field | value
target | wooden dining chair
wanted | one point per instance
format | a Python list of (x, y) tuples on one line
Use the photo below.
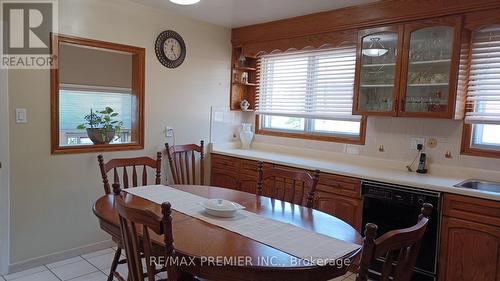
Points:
[(182, 161), (287, 185), (399, 248), (135, 226), (124, 164)]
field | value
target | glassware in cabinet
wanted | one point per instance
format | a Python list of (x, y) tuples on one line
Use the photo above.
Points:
[(378, 70)]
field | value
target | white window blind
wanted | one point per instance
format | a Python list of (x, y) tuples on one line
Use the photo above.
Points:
[(315, 84), (483, 92)]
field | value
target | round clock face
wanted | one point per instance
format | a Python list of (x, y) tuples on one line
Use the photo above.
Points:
[(170, 49)]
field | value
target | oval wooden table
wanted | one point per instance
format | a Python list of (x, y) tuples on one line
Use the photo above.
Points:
[(194, 238)]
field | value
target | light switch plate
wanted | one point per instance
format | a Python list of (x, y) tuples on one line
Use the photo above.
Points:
[(21, 116)]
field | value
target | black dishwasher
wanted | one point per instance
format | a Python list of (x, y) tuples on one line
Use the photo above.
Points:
[(393, 207)]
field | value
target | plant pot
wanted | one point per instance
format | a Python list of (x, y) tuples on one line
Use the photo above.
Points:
[(100, 135)]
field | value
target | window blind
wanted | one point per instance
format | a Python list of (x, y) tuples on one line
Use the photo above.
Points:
[(314, 84), (483, 92)]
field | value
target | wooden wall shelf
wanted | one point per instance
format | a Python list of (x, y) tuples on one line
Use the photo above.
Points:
[(244, 68), (243, 91), (245, 84)]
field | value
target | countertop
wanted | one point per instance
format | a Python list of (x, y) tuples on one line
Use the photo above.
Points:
[(439, 178)]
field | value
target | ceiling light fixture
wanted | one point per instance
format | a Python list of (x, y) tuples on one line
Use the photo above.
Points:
[(376, 48), (185, 2)]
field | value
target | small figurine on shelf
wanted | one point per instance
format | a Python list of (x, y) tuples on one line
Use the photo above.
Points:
[(244, 104), (244, 77), (242, 60)]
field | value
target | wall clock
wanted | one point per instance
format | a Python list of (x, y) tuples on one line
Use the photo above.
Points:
[(170, 49)]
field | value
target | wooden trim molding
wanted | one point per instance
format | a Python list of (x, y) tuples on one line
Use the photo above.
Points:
[(474, 22), (138, 80), (467, 149), (316, 41), (362, 16), (360, 140)]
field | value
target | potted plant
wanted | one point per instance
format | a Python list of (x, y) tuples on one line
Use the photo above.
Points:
[(102, 127)]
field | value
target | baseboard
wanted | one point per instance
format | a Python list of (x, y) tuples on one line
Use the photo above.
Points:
[(59, 256)]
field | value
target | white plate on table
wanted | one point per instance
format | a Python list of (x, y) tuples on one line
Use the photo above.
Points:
[(221, 208)]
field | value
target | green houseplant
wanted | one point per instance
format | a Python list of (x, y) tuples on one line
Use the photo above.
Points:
[(102, 127)]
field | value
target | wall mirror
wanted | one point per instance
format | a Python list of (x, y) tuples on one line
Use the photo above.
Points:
[(97, 96)]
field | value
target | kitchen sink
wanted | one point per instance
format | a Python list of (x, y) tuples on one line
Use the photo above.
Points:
[(480, 185)]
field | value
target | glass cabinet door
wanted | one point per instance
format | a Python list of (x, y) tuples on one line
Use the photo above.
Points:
[(429, 68), (378, 72)]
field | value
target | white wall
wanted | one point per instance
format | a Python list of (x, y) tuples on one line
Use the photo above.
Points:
[(52, 195), (4, 173)]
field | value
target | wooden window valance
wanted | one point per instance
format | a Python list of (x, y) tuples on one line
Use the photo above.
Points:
[(333, 40)]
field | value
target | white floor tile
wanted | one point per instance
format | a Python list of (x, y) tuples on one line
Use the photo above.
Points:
[(40, 276), (98, 253), (102, 261), (25, 273), (64, 262), (74, 270), (122, 269), (96, 276)]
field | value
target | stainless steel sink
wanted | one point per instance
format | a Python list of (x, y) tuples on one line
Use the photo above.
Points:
[(480, 185)]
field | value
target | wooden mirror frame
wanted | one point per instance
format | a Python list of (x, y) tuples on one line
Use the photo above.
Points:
[(138, 79)]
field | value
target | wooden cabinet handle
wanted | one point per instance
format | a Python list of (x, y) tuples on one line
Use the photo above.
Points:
[(396, 105), (402, 105)]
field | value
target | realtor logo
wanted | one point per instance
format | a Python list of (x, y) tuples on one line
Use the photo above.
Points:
[(26, 30)]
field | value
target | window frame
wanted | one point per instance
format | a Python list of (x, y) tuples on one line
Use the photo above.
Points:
[(466, 146), (138, 80), (359, 139), (310, 135)]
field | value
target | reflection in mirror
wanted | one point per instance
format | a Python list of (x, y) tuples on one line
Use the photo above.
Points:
[(98, 95)]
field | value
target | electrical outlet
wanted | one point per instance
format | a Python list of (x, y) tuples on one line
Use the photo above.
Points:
[(169, 132), (414, 141)]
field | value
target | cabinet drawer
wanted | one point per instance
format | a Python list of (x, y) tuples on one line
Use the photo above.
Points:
[(225, 162), (474, 209), (340, 185), (249, 167)]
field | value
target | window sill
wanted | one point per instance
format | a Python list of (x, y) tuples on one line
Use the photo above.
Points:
[(480, 152), (360, 140), (96, 148)]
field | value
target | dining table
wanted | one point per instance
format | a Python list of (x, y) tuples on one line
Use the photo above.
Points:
[(196, 239)]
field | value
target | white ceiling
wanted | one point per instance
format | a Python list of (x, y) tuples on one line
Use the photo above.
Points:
[(236, 13)]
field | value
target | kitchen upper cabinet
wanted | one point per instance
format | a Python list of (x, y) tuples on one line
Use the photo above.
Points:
[(431, 57), (470, 239), (409, 70), (378, 70)]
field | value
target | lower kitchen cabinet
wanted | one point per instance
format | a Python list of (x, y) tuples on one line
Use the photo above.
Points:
[(345, 208), (470, 239), (336, 195), (222, 178)]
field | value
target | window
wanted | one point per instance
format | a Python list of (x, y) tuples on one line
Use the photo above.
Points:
[(97, 96), (309, 95), (74, 103), (482, 120)]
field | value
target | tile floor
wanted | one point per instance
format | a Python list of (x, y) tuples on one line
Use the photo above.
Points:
[(90, 267)]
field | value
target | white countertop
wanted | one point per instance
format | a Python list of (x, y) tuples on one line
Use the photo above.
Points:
[(439, 178)]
